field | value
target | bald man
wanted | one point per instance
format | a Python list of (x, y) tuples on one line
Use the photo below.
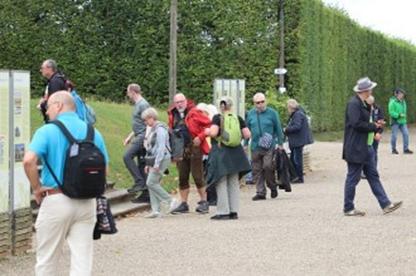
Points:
[(60, 217)]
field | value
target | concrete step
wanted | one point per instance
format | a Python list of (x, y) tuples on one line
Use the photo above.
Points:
[(120, 202)]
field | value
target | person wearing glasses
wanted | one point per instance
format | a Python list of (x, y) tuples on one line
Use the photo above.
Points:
[(191, 160), (266, 133)]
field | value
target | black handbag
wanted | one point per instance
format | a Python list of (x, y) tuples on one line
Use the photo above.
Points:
[(149, 160)]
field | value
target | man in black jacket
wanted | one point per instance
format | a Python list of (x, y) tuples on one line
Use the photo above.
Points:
[(56, 82), (358, 150)]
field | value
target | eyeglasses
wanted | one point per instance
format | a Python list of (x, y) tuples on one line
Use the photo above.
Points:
[(259, 102), (179, 102)]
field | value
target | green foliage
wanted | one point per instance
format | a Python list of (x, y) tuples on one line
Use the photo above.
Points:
[(104, 45)]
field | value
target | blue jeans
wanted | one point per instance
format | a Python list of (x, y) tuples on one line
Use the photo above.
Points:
[(353, 177), (296, 156), (405, 133)]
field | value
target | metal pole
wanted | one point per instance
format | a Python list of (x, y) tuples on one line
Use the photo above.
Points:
[(282, 44), (172, 49)]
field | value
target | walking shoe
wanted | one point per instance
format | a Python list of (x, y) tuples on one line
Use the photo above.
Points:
[(392, 207), (135, 189), (394, 151), (259, 197), (203, 207), (182, 208), (408, 151), (173, 205), (220, 217), (273, 193), (297, 181), (142, 198), (354, 213), (233, 215), (153, 215)]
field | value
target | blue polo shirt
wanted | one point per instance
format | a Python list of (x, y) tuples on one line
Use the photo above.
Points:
[(50, 143)]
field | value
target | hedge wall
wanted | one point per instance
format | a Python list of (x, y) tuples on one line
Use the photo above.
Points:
[(104, 45)]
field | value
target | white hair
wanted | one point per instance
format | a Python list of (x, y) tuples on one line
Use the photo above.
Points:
[(150, 112), (292, 104)]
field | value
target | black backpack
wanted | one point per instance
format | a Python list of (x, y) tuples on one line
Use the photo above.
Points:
[(85, 167)]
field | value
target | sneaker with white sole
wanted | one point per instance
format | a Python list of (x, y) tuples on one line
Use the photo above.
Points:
[(354, 213), (153, 215), (392, 207), (173, 205)]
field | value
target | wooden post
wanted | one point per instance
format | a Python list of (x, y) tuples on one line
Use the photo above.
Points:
[(173, 44)]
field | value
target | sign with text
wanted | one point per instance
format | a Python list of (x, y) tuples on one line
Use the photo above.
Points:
[(21, 136), (4, 141)]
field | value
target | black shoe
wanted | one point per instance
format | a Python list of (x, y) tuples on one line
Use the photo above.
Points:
[(182, 208), (135, 189), (258, 197), (273, 193), (203, 207), (233, 215), (212, 203), (142, 198), (221, 217), (298, 181), (394, 151), (408, 151)]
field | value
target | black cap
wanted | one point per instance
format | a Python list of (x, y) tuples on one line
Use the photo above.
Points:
[(399, 90)]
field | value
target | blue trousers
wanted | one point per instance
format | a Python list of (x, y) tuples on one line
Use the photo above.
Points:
[(353, 177), (296, 156), (405, 133)]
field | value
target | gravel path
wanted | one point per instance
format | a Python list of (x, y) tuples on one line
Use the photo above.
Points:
[(299, 233)]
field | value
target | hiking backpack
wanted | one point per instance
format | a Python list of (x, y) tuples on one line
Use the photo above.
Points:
[(230, 130), (85, 166)]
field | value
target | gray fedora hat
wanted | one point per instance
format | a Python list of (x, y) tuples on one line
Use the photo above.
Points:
[(364, 84)]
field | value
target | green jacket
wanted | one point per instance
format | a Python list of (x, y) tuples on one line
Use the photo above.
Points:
[(397, 111)]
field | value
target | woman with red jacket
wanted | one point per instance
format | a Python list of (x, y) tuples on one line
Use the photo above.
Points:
[(197, 120)]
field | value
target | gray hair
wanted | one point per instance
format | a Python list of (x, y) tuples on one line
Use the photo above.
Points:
[(51, 64), (292, 104), (135, 88), (259, 96), (150, 112)]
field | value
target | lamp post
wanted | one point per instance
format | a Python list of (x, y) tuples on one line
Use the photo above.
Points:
[(281, 71)]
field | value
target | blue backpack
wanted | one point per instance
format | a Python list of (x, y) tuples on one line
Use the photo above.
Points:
[(84, 111)]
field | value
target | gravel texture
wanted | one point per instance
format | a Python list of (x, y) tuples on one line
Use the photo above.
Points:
[(299, 233)]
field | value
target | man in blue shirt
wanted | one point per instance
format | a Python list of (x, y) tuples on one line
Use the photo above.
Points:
[(60, 217), (266, 132)]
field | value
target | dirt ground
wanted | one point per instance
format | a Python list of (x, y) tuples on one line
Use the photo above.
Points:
[(299, 233)]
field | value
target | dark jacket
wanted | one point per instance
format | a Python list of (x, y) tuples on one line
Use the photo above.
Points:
[(285, 170), (357, 127), (297, 130), (56, 83), (378, 114)]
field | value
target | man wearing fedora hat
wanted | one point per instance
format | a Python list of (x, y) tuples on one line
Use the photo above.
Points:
[(358, 151), (397, 112)]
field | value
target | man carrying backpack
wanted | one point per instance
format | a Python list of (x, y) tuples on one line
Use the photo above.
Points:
[(66, 193), (191, 161), (266, 131)]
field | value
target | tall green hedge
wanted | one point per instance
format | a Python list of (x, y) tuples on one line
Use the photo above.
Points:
[(104, 45)]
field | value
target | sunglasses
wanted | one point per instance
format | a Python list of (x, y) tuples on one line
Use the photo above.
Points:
[(259, 102)]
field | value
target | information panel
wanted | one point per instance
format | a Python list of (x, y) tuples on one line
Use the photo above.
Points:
[(21, 133), (4, 141)]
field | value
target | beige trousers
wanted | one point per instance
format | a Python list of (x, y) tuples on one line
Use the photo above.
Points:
[(61, 218)]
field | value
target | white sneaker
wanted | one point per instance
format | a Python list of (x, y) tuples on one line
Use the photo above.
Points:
[(153, 215), (173, 205)]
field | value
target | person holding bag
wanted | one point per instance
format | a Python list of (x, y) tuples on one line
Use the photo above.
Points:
[(266, 131), (157, 160)]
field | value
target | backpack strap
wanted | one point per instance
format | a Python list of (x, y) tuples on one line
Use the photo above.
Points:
[(64, 130), (90, 133), (52, 173)]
